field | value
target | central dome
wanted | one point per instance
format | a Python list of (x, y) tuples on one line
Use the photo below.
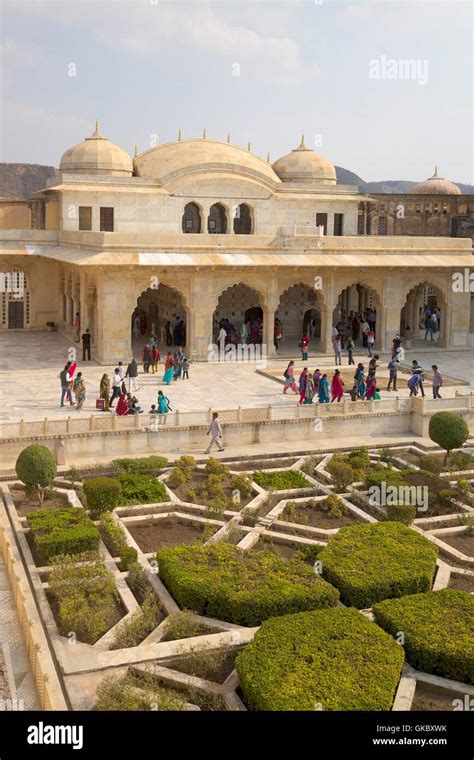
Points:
[(167, 161), (303, 165)]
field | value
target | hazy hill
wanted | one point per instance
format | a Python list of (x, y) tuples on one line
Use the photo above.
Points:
[(21, 180)]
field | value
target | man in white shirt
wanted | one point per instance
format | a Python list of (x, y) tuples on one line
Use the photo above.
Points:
[(215, 429), (222, 337), (365, 328), (116, 387)]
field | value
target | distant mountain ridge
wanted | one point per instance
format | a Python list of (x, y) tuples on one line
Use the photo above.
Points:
[(21, 180)]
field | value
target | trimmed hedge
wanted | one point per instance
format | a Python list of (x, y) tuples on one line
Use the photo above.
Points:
[(448, 430), (141, 489), (281, 481), (332, 659), (224, 582), (102, 494), (153, 465), (36, 466), (376, 561), (62, 531), (438, 628)]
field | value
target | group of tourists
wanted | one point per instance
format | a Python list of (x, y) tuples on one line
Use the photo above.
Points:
[(251, 332), (72, 385), (313, 385), (430, 320)]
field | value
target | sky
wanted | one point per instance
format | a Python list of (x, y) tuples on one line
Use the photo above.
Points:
[(380, 87)]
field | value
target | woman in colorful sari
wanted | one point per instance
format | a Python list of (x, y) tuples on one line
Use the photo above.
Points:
[(337, 387), (122, 406), (169, 369), (79, 390), (371, 387), (310, 389), (104, 391), (163, 407), (323, 391), (289, 375), (243, 333)]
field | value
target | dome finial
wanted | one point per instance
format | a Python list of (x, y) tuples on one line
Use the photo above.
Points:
[(204, 133), (268, 158), (179, 135), (136, 151), (228, 138), (436, 171), (249, 147), (96, 134), (302, 145)]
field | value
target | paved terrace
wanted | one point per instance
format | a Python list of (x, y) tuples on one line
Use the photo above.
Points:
[(31, 361)]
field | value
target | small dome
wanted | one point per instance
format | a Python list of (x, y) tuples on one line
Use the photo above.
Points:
[(435, 185), (304, 165), (96, 155)]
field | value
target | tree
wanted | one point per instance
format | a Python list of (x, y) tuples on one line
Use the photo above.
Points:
[(36, 468), (449, 431)]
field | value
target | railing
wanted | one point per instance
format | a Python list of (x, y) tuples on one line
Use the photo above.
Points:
[(106, 423)]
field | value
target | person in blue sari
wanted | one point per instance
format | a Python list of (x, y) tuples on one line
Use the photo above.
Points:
[(323, 391), (163, 406)]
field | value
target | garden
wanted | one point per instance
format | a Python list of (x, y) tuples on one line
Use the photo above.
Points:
[(276, 586)]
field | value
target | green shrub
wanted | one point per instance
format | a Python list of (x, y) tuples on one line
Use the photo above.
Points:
[(468, 523), (113, 535), (448, 430), (36, 468), (308, 553), (142, 489), (183, 625), (222, 581), (438, 630), (176, 478), (187, 465), (332, 659), (359, 460), (214, 467), (341, 472), (86, 596), (131, 632), (62, 531), (102, 495), (153, 465), (119, 694), (432, 463), (137, 580), (281, 481), (403, 513), (242, 484), (333, 506), (381, 475), (461, 460), (376, 561)]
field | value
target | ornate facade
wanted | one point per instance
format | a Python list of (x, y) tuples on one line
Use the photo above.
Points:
[(202, 230)]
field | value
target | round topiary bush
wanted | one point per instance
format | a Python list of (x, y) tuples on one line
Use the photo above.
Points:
[(376, 561), (448, 430), (438, 629), (36, 468), (102, 495), (224, 582), (333, 659)]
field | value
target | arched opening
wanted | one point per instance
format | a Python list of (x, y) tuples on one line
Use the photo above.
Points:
[(191, 222), (240, 314), (417, 323), (217, 220), (298, 313), (160, 312), (243, 220), (358, 304)]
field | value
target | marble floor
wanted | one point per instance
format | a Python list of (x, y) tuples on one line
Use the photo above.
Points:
[(30, 363)]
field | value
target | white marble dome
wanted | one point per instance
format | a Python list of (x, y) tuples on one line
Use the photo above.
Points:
[(435, 185), (97, 155), (303, 165)]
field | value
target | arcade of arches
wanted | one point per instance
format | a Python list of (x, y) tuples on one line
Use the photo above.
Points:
[(202, 297)]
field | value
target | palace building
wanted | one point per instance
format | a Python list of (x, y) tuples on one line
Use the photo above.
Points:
[(203, 230)]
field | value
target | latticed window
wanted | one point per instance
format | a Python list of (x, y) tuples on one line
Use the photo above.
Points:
[(217, 222), (243, 220), (106, 219), (322, 221), (382, 225), (191, 221)]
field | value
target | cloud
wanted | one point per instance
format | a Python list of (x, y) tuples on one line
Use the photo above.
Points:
[(147, 28)]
